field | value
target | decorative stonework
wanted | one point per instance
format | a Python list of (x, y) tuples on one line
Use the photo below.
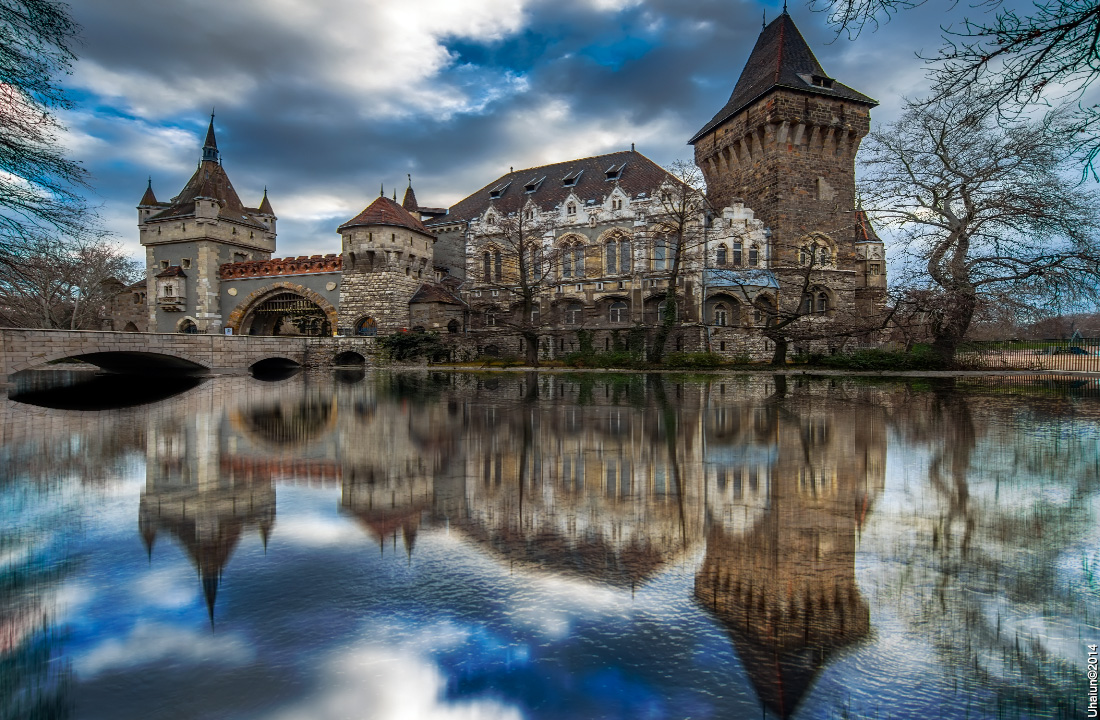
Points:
[(300, 265), (256, 297)]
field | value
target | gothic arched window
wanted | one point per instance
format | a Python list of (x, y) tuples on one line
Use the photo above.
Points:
[(720, 259), (612, 257), (618, 312), (721, 314)]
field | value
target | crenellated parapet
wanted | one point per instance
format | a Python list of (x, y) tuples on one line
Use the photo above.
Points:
[(300, 265)]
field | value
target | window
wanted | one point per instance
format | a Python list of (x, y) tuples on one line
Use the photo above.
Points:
[(805, 255), (721, 255), (806, 307), (486, 266), (534, 316), (567, 263), (574, 314), (737, 253), (616, 203), (721, 314), (533, 185), (618, 312), (612, 257), (529, 215), (571, 208), (754, 256), (490, 318), (185, 263), (452, 326), (163, 264), (875, 268), (189, 327), (614, 172), (169, 290), (625, 264), (367, 327), (825, 257), (497, 265), (661, 309), (659, 254), (571, 178), (578, 259), (822, 302)]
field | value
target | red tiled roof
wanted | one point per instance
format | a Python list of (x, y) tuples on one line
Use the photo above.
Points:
[(865, 232), (172, 271), (780, 58), (384, 211)]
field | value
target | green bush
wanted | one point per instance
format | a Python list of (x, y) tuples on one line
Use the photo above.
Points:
[(698, 360), (412, 345), (919, 358)]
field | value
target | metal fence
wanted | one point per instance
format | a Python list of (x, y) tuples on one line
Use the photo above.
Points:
[(1082, 354)]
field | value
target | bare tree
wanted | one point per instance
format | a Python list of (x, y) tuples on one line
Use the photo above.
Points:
[(56, 284), (38, 186), (1012, 60), (515, 259), (982, 209), (679, 235)]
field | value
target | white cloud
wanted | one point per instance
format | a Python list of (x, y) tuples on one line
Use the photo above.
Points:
[(150, 642)]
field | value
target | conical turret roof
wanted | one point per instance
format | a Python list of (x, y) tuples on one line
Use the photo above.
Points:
[(384, 211), (265, 205), (148, 198), (780, 59), (409, 201)]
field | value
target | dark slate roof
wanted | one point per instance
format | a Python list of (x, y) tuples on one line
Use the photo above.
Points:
[(780, 59), (865, 231), (384, 211), (431, 293), (172, 271), (639, 174), (148, 198), (210, 181)]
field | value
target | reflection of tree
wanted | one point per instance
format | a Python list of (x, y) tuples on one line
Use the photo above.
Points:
[(982, 575), (785, 585)]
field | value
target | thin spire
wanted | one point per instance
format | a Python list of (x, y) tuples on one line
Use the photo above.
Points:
[(410, 179), (210, 147), (381, 190), (764, 19), (395, 194)]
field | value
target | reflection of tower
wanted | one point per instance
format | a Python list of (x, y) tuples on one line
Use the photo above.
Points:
[(188, 496), (786, 588)]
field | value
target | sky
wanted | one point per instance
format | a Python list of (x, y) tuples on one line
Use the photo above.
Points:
[(321, 102)]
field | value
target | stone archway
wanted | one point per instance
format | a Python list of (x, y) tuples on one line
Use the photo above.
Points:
[(283, 308)]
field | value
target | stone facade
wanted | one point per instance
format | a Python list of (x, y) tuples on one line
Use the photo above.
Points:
[(780, 233)]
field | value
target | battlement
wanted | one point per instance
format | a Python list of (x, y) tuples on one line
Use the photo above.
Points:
[(300, 265)]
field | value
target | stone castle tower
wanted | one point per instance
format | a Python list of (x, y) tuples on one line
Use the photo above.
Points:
[(387, 255), (188, 238), (785, 144)]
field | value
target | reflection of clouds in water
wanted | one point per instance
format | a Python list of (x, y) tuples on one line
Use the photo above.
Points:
[(393, 678), (154, 642), (166, 588), (315, 530)]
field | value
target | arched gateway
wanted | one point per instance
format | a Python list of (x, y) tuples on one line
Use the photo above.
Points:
[(284, 311)]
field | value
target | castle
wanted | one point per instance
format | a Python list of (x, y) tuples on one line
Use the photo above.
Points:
[(546, 251)]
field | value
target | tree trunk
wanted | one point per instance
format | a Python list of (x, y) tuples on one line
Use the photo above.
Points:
[(668, 320), (779, 357), (531, 347), (957, 314)]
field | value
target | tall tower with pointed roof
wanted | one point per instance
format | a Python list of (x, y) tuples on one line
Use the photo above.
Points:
[(785, 144), (189, 237)]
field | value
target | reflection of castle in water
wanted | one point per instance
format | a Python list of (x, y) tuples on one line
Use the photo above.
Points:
[(785, 586), (609, 480)]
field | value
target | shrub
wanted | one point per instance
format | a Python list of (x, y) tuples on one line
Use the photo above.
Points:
[(412, 345), (698, 360), (919, 358)]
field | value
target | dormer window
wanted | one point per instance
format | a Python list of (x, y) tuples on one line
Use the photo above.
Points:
[(614, 172), (821, 81), (616, 203), (571, 208), (497, 191), (533, 184), (571, 179)]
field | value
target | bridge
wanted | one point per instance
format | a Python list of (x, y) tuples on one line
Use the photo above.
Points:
[(151, 353)]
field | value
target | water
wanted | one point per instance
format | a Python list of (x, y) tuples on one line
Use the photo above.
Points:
[(448, 546)]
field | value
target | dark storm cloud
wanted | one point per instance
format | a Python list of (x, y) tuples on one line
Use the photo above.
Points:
[(321, 108)]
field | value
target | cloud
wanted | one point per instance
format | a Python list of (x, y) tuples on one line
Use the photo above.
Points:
[(150, 642)]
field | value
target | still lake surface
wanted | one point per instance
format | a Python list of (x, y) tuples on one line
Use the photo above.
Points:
[(452, 545)]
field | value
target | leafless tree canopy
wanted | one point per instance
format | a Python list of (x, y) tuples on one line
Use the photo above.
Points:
[(1011, 60), (62, 284), (982, 208), (38, 185)]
